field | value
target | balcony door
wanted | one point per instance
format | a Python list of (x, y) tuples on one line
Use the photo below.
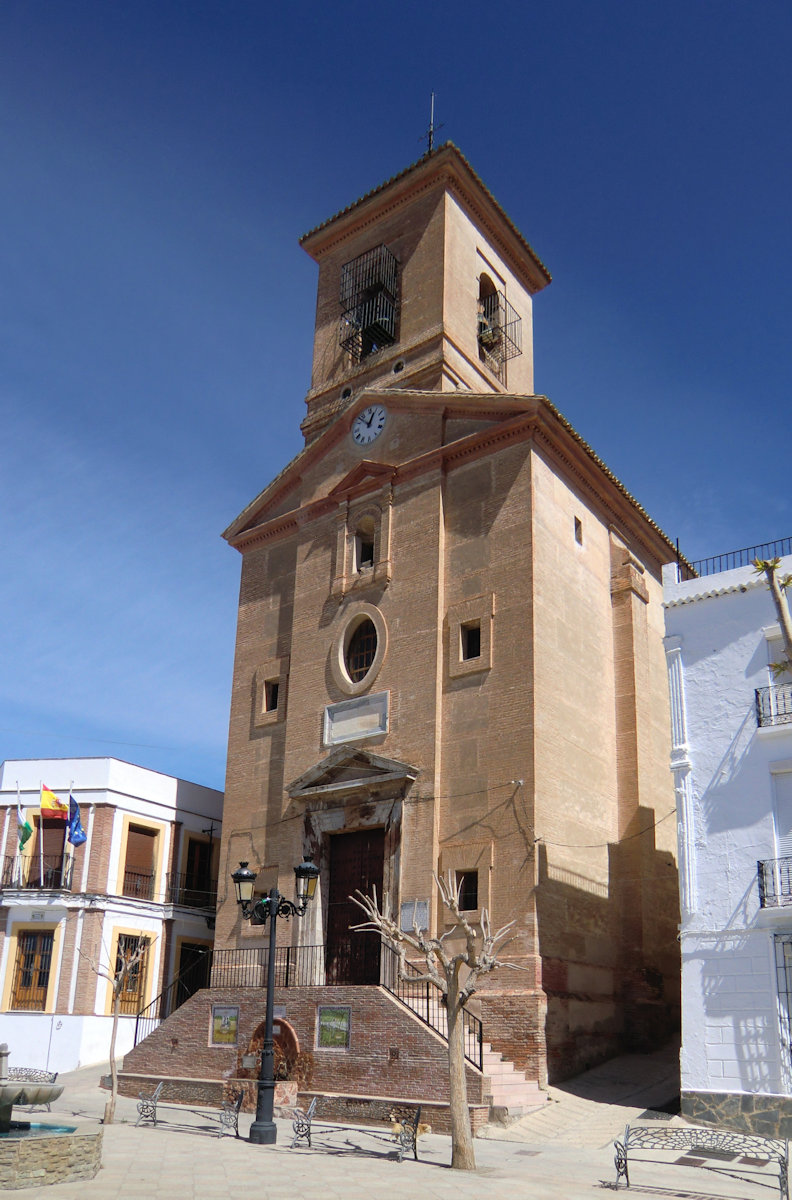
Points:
[(356, 864), (46, 862), (782, 866), (197, 876), (139, 865)]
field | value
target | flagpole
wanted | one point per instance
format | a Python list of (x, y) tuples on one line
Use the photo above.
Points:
[(18, 871), (65, 835), (41, 836)]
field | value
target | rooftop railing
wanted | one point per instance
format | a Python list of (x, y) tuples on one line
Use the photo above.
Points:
[(742, 558)]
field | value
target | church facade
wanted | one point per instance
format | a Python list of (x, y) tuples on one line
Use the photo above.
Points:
[(449, 649)]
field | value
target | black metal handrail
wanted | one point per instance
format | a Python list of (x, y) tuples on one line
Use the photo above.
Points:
[(426, 1002), (742, 558), (53, 872), (178, 990), (774, 705), (295, 966), (774, 877), (185, 889)]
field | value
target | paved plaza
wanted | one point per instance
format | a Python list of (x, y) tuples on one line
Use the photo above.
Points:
[(563, 1151)]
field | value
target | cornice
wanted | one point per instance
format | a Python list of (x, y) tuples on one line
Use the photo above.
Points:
[(448, 168), (522, 419)]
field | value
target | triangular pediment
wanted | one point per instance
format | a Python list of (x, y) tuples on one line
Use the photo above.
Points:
[(346, 771), (302, 488), (365, 472)]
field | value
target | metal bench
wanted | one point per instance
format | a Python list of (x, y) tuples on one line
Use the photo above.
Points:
[(147, 1105), (301, 1123), (227, 1117), (33, 1075), (229, 1114), (404, 1128), (742, 1155)]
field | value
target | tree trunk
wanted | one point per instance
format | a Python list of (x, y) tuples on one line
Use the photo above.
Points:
[(463, 1157), (110, 1107), (781, 607)]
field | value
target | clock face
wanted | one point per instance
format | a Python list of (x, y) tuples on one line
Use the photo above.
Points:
[(369, 424)]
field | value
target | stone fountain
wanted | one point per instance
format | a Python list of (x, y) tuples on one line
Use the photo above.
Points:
[(20, 1091), (32, 1154)]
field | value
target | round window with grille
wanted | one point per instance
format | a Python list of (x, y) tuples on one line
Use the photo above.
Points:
[(361, 650)]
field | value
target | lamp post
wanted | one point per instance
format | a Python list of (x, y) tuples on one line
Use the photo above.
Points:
[(263, 1131)]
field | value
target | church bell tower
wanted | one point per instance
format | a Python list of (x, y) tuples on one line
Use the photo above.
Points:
[(424, 283)]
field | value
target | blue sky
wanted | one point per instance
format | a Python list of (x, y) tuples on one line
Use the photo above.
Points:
[(159, 162)]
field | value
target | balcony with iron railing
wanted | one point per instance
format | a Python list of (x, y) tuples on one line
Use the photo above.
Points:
[(774, 705), (191, 891), (52, 872), (138, 885), (774, 877)]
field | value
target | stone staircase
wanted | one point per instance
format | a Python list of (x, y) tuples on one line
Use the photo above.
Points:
[(508, 1088)]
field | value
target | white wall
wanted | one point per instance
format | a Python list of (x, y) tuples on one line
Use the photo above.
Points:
[(719, 627), (56, 1042)]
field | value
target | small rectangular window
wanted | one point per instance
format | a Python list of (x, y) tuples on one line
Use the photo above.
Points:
[(471, 640), (467, 889), (271, 687), (365, 553), (578, 531)]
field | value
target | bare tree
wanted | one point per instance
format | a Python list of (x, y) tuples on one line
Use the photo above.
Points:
[(130, 961), (455, 972), (778, 585)]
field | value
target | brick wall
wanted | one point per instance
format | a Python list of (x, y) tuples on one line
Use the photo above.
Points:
[(391, 1054)]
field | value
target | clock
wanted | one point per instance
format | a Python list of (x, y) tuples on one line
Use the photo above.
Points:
[(369, 424)]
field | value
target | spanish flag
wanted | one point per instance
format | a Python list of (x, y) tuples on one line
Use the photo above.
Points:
[(51, 806)]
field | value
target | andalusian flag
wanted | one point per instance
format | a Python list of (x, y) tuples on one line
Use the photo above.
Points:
[(51, 806), (24, 830)]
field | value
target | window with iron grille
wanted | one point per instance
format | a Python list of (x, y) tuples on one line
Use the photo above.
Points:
[(133, 967), (369, 302), (32, 970), (499, 328)]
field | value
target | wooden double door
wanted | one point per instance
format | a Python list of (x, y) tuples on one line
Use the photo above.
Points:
[(356, 864)]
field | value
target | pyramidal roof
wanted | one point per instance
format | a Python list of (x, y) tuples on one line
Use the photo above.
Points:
[(447, 160)]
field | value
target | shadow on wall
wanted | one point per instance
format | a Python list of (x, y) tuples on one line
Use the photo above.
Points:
[(610, 954), (740, 995), (717, 815)]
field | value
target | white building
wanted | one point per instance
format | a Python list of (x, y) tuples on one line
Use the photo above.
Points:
[(145, 875), (732, 764)]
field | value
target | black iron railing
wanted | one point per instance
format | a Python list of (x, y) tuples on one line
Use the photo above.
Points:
[(52, 872), (191, 892), (774, 705), (295, 966), (139, 884), (192, 978), (423, 999), (774, 876), (742, 558), (304, 966)]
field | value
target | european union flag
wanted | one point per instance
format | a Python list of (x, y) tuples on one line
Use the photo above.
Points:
[(76, 834)]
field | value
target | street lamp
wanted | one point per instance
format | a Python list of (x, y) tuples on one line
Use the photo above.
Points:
[(263, 1131)]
